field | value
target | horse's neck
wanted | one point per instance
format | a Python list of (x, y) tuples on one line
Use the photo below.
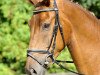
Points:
[(85, 41)]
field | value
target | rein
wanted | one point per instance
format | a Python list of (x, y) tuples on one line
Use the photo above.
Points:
[(53, 40)]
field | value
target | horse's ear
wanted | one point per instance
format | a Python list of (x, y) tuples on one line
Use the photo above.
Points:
[(32, 2), (46, 2), (40, 2), (43, 3)]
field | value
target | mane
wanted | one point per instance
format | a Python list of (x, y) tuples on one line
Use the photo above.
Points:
[(80, 7)]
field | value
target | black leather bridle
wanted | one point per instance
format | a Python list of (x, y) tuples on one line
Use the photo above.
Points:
[(52, 42), (54, 34)]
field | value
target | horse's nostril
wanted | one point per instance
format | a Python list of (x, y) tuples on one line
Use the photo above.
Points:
[(33, 71)]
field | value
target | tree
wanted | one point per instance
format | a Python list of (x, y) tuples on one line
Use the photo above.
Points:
[(91, 5), (14, 35)]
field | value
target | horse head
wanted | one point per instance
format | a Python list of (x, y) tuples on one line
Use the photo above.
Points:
[(46, 39)]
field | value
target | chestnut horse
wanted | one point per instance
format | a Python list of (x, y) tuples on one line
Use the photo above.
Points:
[(81, 31)]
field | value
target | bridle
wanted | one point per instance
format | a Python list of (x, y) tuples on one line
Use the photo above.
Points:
[(54, 34), (52, 41)]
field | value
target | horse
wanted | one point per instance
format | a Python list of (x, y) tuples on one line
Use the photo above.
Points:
[(67, 24)]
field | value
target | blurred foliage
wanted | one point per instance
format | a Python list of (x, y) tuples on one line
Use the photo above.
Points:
[(14, 35), (91, 5)]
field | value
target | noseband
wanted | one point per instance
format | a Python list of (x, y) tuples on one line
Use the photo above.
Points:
[(52, 41)]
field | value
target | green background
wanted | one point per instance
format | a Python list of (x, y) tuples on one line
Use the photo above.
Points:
[(14, 35)]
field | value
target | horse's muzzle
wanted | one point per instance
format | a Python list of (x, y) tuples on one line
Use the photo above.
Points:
[(36, 69)]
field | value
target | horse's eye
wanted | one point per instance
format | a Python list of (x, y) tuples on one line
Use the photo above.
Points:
[(46, 26)]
